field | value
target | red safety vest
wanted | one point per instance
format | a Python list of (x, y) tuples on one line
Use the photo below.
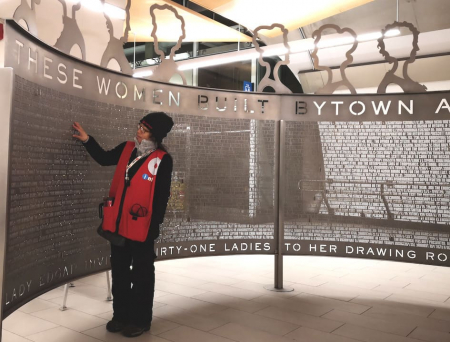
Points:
[(138, 195)]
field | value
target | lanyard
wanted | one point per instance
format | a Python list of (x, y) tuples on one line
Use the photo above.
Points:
[(129, 166)]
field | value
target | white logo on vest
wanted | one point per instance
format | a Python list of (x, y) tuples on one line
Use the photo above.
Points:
[(153, 166)]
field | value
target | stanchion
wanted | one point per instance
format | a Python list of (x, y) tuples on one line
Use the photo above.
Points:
[(108, 282), (280, 190)]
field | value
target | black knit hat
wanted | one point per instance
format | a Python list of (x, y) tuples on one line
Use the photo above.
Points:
[(159, 124)]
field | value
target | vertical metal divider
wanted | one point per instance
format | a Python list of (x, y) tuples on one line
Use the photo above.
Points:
[(279, 200), (6, 96)]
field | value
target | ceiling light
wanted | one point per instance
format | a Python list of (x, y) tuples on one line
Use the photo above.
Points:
[(326, 43), (113, 11), (275, 52), (369, 36), (143, 73), (218, 61), (392, 33), (298, 46)]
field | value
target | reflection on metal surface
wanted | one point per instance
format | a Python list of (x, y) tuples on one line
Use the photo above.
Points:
[(331, 86), (26, 13), (114, 50), (274, 82), (168, 67), (406, 83), (71, 34)]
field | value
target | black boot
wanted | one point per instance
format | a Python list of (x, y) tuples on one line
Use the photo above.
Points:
[(134, 331), (115, 326)]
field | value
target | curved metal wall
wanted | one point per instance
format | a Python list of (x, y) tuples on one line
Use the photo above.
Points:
[(356, 179)]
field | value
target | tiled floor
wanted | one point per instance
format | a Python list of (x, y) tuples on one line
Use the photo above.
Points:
[(219, 299)]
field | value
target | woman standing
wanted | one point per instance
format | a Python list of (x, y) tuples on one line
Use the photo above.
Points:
[(141, 189)]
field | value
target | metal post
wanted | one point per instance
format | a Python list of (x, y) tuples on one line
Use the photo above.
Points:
[(195, 70), (279, 195), (398, 8), (66, 293), (134, 52), (6, 95), (239, 38), (109, 296)]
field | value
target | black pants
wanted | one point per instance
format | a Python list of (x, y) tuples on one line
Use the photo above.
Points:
[(133, 289)]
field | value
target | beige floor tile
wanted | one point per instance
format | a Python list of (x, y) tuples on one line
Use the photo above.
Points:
[(326, 292), (255, 278), (433, 276), (189, 318), (430, 335), (349, 280), (413, 293), (259, 288), (186, 334), (72, 319), (240, 333), (107, 315), (84, 304), (37, 305), (160, 326), (441, 314), (297, 303), (230, 291), (313, 300), (311, 335), (178, 289), (271, 325), (231, 302), (200, 274), (431, 287), (393, 314), (310, 281), (94, 292), (180, 279), (372, 279), (159, 293), (15, 323), (191, 304), (10, 337), (167, 267), (98, 280), (401, 298), (52, 294), (379, 273), (61, 334), (386, 325), (406, 307), (101, 334), (300, 319), (346, 288), (369, 335)]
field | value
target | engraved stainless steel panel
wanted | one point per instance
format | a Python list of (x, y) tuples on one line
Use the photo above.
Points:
[(6, 94), (385, 186), (222, 191)]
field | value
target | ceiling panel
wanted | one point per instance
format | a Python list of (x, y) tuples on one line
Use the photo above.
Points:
[(198, 27), (291, 13)]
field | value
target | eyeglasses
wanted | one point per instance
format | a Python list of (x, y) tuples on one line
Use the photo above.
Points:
[(143, 129)]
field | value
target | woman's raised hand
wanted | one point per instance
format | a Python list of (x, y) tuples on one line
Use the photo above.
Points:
[(82, 135)]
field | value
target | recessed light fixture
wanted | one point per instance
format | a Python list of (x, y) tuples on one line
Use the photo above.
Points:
[(144, 73)]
